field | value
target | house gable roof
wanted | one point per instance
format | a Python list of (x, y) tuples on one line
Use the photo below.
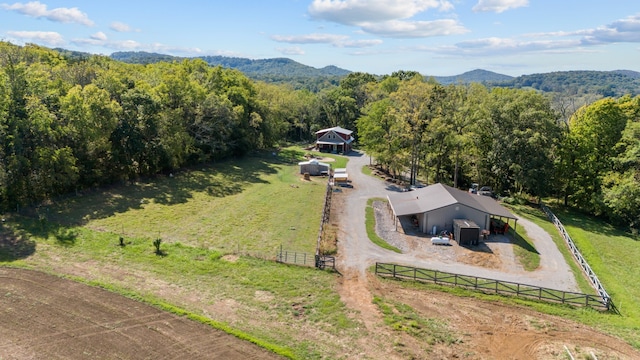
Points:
[(337, 129), (437, 196), (331, 136)]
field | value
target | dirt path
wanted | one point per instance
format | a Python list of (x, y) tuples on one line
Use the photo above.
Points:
[(483, 330)]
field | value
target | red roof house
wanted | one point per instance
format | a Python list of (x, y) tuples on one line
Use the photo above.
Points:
[(335, 140)]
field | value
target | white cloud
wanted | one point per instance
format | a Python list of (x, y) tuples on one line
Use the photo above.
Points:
[(331, 39), (415, 29), (49, 38), (38, 10), (100, 36), (132, 45), (359, 43), (624, 30), (389, 18), (499, 6), (354, 12), (120, 27), (291, 51), (310, 38)]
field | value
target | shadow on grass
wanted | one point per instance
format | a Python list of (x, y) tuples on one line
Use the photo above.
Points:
[(572, 217), (14, 246), (217, 180), (29, 227), (518, 240)]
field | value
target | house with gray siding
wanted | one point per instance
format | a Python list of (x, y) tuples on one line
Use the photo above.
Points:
[(435, 207)]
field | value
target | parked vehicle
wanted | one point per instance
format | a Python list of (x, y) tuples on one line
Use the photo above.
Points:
[(486, 191)]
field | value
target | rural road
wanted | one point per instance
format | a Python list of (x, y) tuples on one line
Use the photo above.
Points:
[(357, 253)]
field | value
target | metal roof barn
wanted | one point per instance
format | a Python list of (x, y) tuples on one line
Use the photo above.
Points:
[(437, 205)]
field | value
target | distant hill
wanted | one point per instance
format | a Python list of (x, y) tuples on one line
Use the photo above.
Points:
[(478, 75), (143, 57), (604, 83), (283, 70), (271, 67)]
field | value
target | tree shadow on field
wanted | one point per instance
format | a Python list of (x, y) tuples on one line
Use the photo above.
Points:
[(14, 246), (572, 217), (216, 179)]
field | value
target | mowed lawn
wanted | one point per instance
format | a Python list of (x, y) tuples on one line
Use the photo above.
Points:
[(613, 255), (252, 205)]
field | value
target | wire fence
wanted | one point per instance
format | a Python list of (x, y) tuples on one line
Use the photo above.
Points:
[(490, 285)]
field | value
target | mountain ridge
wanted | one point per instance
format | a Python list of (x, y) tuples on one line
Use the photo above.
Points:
[(285, 70)]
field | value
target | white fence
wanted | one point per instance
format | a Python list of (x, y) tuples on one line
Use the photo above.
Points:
[(595, 282)]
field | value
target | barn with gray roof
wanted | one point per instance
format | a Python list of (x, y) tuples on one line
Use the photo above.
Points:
[(436, 206)]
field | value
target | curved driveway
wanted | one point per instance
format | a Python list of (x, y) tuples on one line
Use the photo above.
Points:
[(357, 252)]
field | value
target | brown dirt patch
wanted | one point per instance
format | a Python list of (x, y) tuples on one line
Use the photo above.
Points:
[(481, 255), (493, 330), (45, 317), (230, 258)]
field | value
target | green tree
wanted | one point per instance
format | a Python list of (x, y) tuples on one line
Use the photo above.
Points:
[(416, 104), (523, 134), (594, 132), (621, 185), (89, 116)]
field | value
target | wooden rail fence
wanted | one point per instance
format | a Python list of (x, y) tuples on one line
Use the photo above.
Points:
[(490, 285)]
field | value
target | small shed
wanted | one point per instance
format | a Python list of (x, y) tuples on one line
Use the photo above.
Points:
[(314, 167), (466, 232)]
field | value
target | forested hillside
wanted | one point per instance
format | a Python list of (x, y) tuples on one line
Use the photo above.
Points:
[(602, 83), (277, 70), (70, 122), (478, 75)]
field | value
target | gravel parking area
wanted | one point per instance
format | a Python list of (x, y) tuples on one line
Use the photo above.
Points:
[(492, 259)]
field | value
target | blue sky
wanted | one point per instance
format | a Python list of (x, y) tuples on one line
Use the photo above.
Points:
[(434, 37)]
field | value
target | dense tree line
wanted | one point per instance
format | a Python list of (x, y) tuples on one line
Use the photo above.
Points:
[(70, 122), (510, 139)]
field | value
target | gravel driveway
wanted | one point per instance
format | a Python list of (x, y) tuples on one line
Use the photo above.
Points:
[(493, 259)]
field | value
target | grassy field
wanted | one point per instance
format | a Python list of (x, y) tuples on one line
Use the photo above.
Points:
[(251, 205), (612, 254), (207, 216)]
